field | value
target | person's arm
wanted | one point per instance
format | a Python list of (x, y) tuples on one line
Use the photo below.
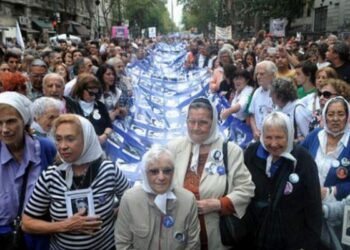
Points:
[(123, 234), (312, 201), (122, 183), (241, 186), (256, 131), (77, 223), (303, 118), (193, 228), (227, 112), (216, 79)]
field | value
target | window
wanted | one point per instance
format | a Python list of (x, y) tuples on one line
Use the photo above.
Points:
[(320, 21)]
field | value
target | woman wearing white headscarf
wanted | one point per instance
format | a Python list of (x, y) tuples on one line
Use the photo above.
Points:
[(84, 174), (167, 219), (287, 205), (330, 147), (22, 159), (199, 168)]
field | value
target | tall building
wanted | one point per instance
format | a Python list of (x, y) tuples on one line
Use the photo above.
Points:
[(41, 19)]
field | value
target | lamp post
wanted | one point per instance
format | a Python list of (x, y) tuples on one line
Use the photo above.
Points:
[(97, 2)]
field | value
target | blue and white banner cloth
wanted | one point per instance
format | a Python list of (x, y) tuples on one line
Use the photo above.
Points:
[(163, 89)]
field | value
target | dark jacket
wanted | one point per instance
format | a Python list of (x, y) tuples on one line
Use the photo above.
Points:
[(285, 221)]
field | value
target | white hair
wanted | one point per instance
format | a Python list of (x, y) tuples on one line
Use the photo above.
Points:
[(42, 104), (270, 67)]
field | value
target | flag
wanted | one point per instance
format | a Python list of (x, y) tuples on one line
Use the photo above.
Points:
[(19, 38)]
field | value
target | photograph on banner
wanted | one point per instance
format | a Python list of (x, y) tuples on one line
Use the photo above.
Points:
[(120, 32), (278, 27), (224, 33), (152, 32)]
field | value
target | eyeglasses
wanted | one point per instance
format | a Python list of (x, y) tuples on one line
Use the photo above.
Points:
[(92, 93), (326, 94), (5, 69), (165, 171)]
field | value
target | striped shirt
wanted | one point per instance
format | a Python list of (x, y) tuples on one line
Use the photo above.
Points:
[(49, 195)]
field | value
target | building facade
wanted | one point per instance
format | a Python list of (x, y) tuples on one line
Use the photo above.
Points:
[(41, 19)]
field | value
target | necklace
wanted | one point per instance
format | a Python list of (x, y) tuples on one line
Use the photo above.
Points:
[(82, 178)]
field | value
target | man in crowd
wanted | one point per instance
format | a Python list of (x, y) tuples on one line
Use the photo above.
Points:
[(37, 71), (338, 55), (261, 103)]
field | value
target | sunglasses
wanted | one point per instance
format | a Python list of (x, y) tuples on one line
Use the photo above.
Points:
[(92, 93), (326, 94), (165, 171)]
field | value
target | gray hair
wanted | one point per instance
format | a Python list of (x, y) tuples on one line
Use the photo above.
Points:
[(284, 89), (38, 63), (114, 61), (225, 51), (270, 67), (154, 154), (275, 119), (53, 75), (42, 104)]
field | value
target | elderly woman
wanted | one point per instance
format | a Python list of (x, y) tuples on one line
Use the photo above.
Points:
[(22, 159), (199, 168), (287, 204), (45, 110), (168, 219), (284, 97), (83, 171), (87, 91), (330, 147)]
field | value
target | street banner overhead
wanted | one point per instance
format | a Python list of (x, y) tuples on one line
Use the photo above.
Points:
[(223, 33)]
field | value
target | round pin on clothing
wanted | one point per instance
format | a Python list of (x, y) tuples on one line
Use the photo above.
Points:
[(345, 162), (96, 115), (342, 173), (294, 178), (220, 170), (288, 189), (335, 164), (168, 221), (216, 155)]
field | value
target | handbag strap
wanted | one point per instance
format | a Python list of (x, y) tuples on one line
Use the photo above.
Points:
[(224, 151), (23, 190)]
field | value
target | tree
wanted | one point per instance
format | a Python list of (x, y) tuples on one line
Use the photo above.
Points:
[(148, 13)]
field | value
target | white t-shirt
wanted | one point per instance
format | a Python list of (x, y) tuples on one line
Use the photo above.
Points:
[(311, 102), (69, 87), (260, 106), (303, 116), (243, 99)]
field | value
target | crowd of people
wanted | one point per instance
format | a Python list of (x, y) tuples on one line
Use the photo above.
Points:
[(288, 188)]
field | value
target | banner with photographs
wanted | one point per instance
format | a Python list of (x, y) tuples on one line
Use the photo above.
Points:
[(278, 27), (223, 33), (163, 89)]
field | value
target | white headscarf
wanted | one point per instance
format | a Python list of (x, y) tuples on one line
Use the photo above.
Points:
[(19, 102), (290, 138), (333, 100), (214, 133), (91, 151), (160, 199)]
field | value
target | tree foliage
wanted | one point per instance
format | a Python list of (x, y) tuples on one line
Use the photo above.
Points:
[(198, 13), (148, 13)]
